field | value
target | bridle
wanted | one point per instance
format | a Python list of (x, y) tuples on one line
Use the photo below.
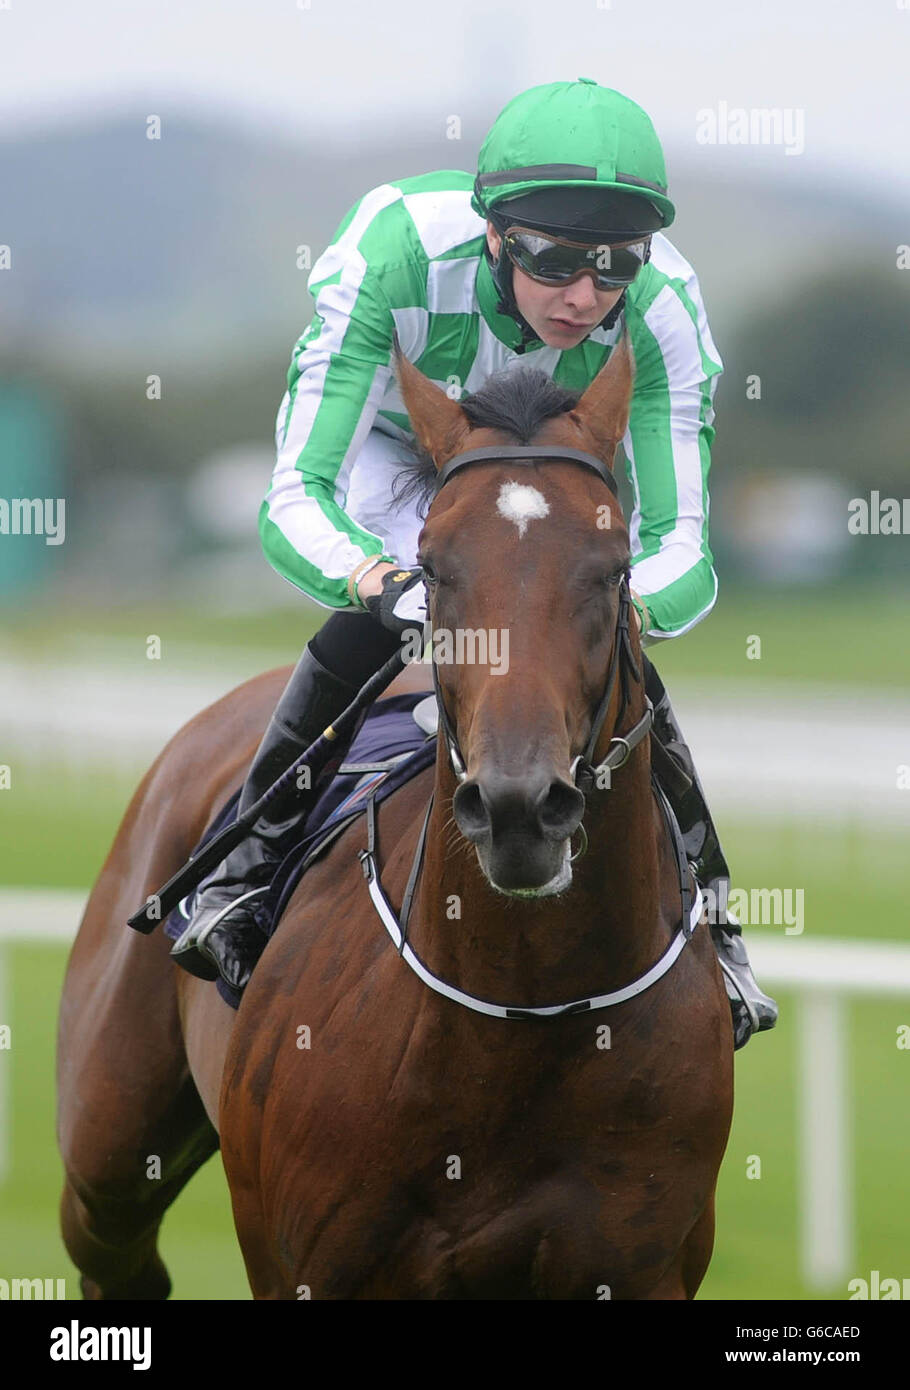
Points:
[(586, 776), (623, 665)]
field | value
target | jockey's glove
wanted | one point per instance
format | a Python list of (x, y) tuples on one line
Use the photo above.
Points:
[(402, 604)]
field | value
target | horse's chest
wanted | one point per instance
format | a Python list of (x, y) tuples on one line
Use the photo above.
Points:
[(489, 1190), (420, 1161), (503, 1233)]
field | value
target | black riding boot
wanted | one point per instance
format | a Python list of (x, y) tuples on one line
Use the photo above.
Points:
[(223, 936), (753, 1011)]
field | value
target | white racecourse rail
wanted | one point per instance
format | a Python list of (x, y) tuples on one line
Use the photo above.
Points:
[(822, 972), (763, 749)]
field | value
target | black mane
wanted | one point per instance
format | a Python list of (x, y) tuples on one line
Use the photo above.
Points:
[(517, 402)]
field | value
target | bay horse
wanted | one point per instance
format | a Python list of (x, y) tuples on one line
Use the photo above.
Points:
[(384, 1137)]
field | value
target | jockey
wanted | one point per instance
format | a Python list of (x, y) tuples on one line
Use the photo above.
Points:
[(478, 275)]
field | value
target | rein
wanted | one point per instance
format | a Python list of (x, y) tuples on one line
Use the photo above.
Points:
[(586, 776)]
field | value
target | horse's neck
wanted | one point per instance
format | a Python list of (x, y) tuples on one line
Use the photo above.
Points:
[(602, 933)]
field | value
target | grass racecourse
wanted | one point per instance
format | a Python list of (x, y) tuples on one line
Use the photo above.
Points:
[(56, 830)]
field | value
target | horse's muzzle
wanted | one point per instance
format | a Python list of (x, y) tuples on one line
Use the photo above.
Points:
[(521, 826)]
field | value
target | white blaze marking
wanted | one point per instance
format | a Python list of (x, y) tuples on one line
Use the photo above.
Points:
[(519, 503)]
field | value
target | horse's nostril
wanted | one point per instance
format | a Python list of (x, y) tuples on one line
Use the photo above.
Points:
[(482, 809), (470, 812), (561, 809)]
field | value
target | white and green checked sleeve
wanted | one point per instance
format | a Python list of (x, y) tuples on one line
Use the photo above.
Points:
[(668, 445), (340, 370)]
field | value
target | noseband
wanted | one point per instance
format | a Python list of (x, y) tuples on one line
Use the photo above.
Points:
[(585, 775)]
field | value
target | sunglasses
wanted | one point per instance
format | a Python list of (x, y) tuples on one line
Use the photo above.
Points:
[(551, 261)]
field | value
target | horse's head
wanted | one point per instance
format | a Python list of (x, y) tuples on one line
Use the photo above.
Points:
[(525, 567)]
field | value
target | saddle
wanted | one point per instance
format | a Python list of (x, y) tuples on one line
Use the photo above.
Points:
[(395, 743)]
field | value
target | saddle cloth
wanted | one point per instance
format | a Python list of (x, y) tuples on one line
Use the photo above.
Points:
[(398, 732)]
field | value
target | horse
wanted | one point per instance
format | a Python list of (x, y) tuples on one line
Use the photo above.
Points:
[(527, 1092)]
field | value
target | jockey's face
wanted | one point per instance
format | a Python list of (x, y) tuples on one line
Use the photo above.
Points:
[(562, 316)]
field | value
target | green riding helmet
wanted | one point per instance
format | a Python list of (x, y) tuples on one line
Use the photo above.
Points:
[(571, 159)]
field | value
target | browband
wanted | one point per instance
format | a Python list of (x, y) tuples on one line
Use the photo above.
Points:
[(526, 454)]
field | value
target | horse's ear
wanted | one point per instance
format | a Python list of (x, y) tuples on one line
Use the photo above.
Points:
[(438, 422), (603, 411)]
